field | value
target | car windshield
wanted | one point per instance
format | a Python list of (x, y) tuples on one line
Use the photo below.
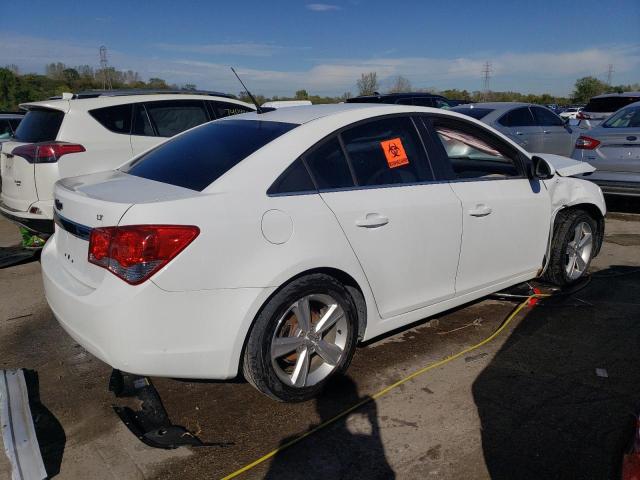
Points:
[(477, 113), (625, 118), (199, 157)]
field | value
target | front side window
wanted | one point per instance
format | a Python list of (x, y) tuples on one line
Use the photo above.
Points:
[(175, 116), (625, 118), (199, 157), (386, 152), (518, 117), (329, 166), (546, 118), (116, 119), (474, 153)]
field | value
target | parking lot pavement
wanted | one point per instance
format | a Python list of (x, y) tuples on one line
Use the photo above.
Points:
[(528, 405)]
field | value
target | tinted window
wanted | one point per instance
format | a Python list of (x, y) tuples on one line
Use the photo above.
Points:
[(440, 103), (609, 104), (141, 123), (625, 118), (14, 123), (546, 118), (197, 158), (40, 125), (5, 129), (295, 179), (117, 119), (477, 113), (223, 109), (328, 166), (518, 117), (173, 117), (474, 153), (421, 101), (385, 152), (408, 101)]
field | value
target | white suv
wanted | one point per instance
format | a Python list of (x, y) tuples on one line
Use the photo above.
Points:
[(91, 132)]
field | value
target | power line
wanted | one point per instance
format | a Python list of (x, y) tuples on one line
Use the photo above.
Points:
[(104, 69), (486, 76)]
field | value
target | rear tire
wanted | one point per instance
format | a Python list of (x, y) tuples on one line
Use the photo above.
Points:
[(572, 247), (304, 335)]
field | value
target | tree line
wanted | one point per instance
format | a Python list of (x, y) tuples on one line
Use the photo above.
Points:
[(16, 88)]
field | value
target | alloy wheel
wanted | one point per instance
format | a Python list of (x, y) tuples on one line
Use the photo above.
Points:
[(578, 252)]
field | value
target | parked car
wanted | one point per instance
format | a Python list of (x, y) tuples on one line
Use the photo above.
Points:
[(570, 113), (8, 124), (421, 99), (533, 127), (91, 132), (613, 148), (601, 106), (272, 243)]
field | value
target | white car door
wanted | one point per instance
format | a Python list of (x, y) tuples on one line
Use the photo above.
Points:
[(404, 228), (505, 215)]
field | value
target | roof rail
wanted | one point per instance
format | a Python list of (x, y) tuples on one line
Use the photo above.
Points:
[(141, 91)]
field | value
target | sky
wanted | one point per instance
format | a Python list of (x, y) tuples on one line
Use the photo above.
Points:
[(279, 47)]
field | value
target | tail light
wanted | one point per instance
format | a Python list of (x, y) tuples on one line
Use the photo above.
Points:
[(46, 152), (582, 116), (135, 252), (586, 143)]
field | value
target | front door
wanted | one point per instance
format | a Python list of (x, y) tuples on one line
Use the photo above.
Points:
[(519, 125), (555, 136)]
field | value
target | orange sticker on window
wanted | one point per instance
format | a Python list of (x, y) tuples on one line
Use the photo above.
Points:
[(394, 152)]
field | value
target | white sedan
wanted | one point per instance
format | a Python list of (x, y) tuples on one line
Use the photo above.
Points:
[(272, 243)]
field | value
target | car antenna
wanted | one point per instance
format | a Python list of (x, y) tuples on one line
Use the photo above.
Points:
[(258, 107)]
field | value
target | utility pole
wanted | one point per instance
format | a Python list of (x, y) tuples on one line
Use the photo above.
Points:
[(610, 71), (104, 68), (486, 76)]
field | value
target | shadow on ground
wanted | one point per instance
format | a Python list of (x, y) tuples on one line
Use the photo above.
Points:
[(620, 204), (545, 411)]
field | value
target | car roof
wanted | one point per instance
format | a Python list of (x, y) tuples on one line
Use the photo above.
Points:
[(306, 113), (380, 96), (623, 94), (11, 115), (495, 105)]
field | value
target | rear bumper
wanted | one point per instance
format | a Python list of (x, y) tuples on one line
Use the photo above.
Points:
[(149, 331), (38, 223)]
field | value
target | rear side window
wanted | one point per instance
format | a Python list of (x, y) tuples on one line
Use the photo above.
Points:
[(626, 118), (518, 117), (546, 118), (117, 118), (295, 179), (329, 166), (224, 109), (609, 104), (386, 152), (477, 113), (141, 124), (198, 158), (173, 117), (40, 125)]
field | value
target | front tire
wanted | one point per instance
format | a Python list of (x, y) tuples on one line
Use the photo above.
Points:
[(304, 335), (573, 247)]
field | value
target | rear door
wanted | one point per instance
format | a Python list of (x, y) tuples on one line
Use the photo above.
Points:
[(18, 172), (519, 125), (505, 216), (403, 227), (555, 136)]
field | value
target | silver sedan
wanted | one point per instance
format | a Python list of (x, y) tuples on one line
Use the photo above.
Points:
[(613, 147), (535, 128)]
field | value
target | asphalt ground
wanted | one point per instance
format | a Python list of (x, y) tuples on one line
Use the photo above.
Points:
[(534, 403)]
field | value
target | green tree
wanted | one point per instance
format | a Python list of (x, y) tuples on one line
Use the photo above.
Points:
[(587, 87), (302, 95), (8, 89), (368, 83)]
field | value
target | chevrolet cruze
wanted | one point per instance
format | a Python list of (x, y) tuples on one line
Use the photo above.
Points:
[(270, 244)]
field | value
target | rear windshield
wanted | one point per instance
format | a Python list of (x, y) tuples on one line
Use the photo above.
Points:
[(608, 104), (39, 125), (476, 113), (198, 158), (625, 118)]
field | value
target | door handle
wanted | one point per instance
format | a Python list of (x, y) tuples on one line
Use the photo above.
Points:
[(519, 133), (481, 210), (546, 131), (372, 220)]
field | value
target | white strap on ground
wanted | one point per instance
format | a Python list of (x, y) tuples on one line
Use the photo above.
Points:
[(18, 433)]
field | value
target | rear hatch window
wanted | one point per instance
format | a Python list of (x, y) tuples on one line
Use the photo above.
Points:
[(476, 113), (199, 157), (39, 125), (609, 104)]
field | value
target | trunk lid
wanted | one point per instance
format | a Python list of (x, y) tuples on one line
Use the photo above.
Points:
[(98, 200), (18, 178), (620, 148)]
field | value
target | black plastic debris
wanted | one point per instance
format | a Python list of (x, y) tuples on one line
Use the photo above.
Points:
[(151, 424)]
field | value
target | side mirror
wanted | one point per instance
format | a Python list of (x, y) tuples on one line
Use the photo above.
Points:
[(540, 169)]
